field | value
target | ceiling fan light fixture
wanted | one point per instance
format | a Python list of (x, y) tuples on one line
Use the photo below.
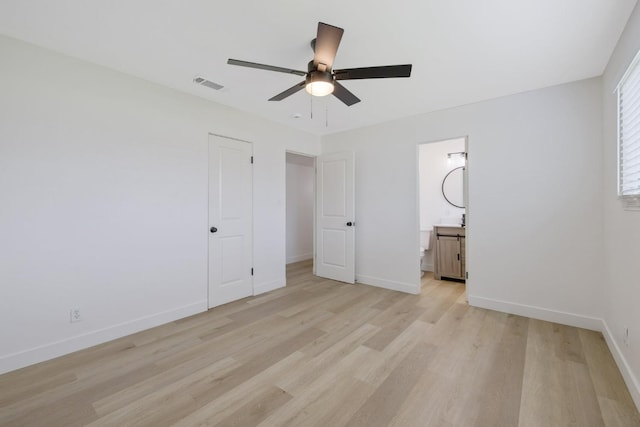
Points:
[(319, 83)]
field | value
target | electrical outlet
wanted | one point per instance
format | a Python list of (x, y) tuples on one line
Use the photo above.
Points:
[(625, 337), (74, 315)]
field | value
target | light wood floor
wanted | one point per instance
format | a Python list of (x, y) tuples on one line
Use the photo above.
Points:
[(321, 353)]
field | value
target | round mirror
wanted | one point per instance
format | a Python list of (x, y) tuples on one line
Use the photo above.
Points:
[(452, 187)]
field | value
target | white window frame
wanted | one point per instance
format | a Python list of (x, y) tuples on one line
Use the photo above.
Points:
[(629, 201)]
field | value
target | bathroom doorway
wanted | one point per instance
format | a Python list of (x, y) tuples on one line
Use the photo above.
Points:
[(443, 201)]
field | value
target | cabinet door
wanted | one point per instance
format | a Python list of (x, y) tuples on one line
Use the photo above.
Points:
[(449, 257), (463, 258)]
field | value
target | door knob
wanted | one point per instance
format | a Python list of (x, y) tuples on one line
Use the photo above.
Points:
[(349, 224), (213, 229)]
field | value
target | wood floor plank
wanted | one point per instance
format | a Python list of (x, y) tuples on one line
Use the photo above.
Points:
[(551, 391), (191, 326), (380, 367), (247, 339), (320, 360), (458, 328), (254, 366), (54, 403), (73, 405), (499, 386), (428, 403), (163, 404), (65, 364), (393, 327), (146, 354), (256, 409), (263, 310), (382, 406), (216, 410), (333, 386), (166, 378), (71, 411), (20, 392), (341, 340), (440, 301), (615, 401), (324, 353), (494, 378), (326, 407)]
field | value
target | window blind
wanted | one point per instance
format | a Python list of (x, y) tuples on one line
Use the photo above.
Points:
[(629, 135)]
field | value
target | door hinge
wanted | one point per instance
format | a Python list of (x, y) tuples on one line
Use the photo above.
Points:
[(466, 274), (251, 159), (252, 271)]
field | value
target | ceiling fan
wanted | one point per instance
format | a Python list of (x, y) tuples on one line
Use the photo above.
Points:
[(321, 79)]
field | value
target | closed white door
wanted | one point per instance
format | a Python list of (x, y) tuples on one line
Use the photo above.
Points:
[(335, 217), (230, 220)]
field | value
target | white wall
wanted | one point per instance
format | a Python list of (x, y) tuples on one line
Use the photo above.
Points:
[(621, 289), (103, 202), (300, 194), (535, 200), (433, 166)]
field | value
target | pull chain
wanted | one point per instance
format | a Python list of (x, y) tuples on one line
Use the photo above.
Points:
[(326, 112)]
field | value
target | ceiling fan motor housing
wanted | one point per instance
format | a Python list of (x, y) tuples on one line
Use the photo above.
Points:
[(319, 76), (311, 66)]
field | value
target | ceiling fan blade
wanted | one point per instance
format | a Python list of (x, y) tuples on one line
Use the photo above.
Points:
[(383, 72), (288, 92), (326, 46), (265, 67), (343, 94)]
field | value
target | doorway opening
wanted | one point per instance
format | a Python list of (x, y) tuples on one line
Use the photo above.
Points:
[(300, 210), (443, 202)]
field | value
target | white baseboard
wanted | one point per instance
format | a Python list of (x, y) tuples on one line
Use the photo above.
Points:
[(427, 267), (388, 284), (629, 378), (298, 258), (268, 286), (52, 350), (562, 317)]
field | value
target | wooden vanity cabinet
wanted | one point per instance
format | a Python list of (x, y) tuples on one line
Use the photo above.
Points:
[(449, 253)]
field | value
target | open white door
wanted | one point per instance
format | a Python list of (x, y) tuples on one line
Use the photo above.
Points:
[(335, 218), (230, 220)]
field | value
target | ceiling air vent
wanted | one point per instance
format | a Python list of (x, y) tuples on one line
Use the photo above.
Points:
[(208, 83)]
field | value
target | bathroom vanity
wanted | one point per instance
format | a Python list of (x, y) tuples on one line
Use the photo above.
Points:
[(449, 256)]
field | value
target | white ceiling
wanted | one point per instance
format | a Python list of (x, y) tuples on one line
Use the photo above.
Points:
[(462, 51)]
